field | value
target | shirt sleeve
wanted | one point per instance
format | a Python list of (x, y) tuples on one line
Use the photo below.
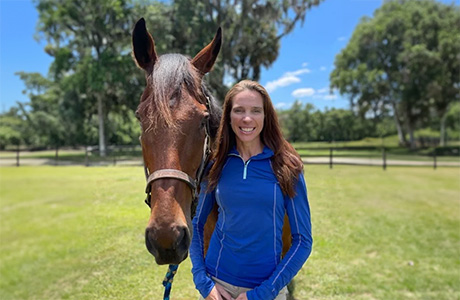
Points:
[(298, 211), (202, 280)]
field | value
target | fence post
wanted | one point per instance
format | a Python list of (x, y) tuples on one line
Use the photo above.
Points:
[(330, 158), (384, 157), (434, 159), (56, 156), (17, 156), (86, 156)]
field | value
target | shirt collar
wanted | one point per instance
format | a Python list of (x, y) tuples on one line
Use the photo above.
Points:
[(266, 153)]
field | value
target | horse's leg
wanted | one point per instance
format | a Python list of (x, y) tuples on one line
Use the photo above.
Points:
[(287, 241), (209, 227)]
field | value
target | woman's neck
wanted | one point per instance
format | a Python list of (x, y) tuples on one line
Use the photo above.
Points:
[(247, 151)]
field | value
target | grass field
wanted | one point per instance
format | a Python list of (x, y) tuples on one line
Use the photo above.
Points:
[(78, 233)]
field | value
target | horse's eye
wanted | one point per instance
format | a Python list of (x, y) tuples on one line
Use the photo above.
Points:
[(138, 117)]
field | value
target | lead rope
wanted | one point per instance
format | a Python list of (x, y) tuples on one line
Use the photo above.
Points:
[(167, 282)]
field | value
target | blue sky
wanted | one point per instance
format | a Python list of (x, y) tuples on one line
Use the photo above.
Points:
[(305, 60)]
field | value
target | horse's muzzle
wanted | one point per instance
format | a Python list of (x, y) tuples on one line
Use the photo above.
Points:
[(168, 247)]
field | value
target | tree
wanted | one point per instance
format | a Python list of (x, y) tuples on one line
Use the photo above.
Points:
[(11, 128), (45, 126), (252, 32), (452, 121), (90, 42), (394, 62), (445, 90), (302, 123), (93, 72), (295, 123)]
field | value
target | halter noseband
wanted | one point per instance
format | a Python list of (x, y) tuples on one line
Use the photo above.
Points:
[(193, 184)]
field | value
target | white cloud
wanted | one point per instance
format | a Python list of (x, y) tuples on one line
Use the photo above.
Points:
[(342, 38), (283, 81), (288, 78), (323, 68), (298, 72), (304, 64), (304, 92)]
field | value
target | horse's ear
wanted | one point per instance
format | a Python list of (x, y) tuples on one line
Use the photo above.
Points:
[(143, 47), (206, 58)]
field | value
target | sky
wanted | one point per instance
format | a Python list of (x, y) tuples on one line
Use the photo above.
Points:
[(301, 71)]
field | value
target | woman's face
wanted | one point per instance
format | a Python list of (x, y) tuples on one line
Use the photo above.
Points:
[(247, 117)]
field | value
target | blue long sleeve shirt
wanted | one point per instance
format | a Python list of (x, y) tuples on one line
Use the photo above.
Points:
[(246, 245)]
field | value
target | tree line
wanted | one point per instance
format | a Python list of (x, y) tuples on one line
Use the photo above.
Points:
[(404, 62), (93, 86), (304, 123), (400, 69)]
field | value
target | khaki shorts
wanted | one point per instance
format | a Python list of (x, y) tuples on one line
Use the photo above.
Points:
[(235, 291)]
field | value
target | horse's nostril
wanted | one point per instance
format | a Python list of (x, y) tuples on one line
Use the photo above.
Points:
[(150, 243), (183, 240)]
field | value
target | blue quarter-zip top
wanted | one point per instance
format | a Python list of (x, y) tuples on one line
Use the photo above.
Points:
[(245, 248)]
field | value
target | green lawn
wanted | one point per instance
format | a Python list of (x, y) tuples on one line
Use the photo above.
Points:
[(78, 233)]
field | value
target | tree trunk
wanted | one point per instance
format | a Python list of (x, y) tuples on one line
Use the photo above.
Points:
[(401, 133), (442, 140), (100, 113)]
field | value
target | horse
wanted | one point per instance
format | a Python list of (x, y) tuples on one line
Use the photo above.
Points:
[(179, 120), (178, 116)]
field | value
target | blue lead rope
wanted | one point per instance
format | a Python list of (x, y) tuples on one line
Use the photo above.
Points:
[(167, 282)]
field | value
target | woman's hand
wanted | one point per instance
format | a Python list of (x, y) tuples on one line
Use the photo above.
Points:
[(214, 295), (242, 296), (225, 295), (219, 293)]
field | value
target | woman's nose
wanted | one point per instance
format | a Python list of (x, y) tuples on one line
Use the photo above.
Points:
[(247, 118)]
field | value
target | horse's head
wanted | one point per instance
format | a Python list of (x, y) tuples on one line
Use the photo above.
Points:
[(174, 112)]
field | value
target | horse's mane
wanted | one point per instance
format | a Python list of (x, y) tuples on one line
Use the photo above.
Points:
[(170, 74)]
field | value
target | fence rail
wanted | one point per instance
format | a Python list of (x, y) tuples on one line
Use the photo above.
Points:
[(132, 155)]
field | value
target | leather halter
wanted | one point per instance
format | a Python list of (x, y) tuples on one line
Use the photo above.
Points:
[(193, 184)]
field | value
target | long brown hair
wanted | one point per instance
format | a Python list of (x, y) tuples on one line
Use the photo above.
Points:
[(286, 162)]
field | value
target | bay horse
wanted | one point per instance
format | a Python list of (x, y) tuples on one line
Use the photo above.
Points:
[(178, 118)]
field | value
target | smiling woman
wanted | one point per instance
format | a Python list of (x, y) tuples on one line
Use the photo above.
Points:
[(247, 121), (256, 180)]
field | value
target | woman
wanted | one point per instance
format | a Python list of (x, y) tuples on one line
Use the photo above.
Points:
[(256, 179)]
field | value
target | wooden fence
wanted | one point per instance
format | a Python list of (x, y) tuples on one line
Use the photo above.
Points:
[(132, 155)]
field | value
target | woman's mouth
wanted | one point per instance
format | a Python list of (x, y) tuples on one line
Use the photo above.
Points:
[(247, 129)]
